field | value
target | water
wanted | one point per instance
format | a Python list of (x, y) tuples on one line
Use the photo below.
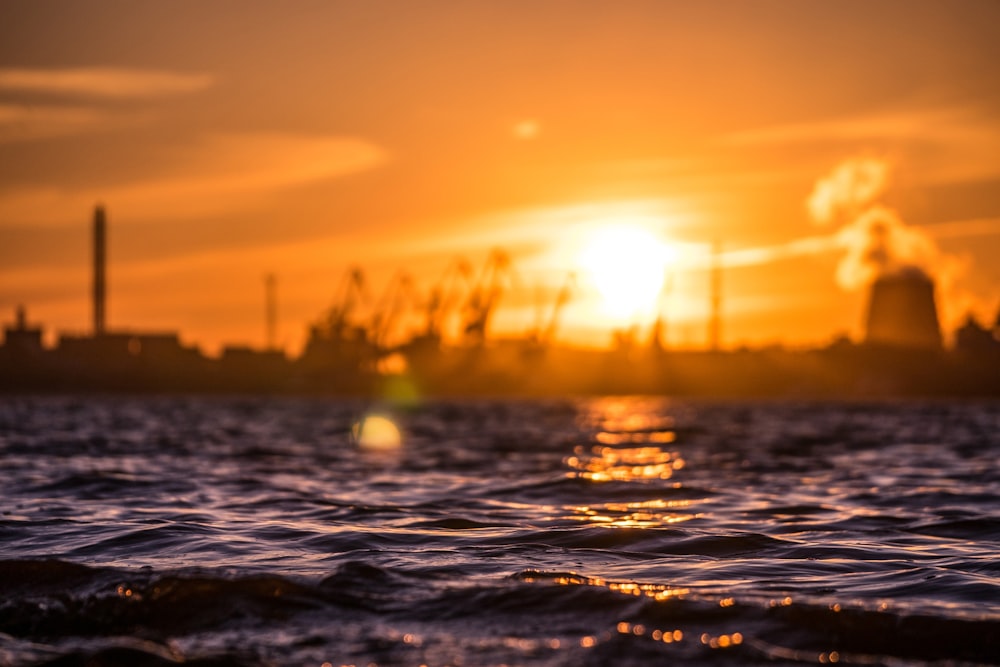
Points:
[(594, 532)]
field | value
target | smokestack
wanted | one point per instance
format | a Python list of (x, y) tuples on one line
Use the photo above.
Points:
[(902, 312), (100, 259)]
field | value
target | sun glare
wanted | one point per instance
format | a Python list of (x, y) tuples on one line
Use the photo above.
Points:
[(627, 265)]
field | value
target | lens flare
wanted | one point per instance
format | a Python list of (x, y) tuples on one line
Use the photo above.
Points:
[(377, 433)]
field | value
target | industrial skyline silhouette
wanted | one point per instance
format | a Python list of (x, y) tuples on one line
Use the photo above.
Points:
[(902, 351)]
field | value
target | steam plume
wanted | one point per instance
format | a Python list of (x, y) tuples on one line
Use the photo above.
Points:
[(875, 239), (851, 187)]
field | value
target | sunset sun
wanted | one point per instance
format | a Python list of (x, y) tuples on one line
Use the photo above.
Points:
[(626, 264)]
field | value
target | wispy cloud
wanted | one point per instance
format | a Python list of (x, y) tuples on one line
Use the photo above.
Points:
[(872, 126), (86, 100), (24, 122), (219, 174), (804, 247), (103, 82), (818, 245), (944, 144)]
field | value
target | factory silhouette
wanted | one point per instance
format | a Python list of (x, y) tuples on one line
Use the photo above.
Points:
[(902, 353)]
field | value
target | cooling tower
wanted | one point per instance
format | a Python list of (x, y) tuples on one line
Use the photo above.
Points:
[(902, 312)]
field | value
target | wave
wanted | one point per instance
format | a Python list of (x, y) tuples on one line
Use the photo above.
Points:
[(81, 615), (626, 531)]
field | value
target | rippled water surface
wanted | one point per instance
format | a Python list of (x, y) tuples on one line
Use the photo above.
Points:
[(613, 531)]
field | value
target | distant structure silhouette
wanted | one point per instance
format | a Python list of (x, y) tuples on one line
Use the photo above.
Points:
[(715, 322), (100, 260), (902, 312), (357, 354), (271, 310), (21, 338), (974, 339)]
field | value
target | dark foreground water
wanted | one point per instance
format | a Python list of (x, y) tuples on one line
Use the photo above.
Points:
[(603, 532)]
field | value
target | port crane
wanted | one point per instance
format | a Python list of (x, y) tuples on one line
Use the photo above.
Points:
[(483, 298), (336, 343), (443, 296), (398, 295), (335, 324), (543, 335)]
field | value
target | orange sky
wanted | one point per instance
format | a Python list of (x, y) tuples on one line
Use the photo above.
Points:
[(233, 139)]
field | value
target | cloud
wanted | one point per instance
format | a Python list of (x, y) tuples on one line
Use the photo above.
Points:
[(942, 144), (23, 122), (865, 127), (804, 247), (818, 245), (103, 82), (220, 173), (27, 121)]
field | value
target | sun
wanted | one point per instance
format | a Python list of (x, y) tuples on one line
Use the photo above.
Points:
[(627, 266)]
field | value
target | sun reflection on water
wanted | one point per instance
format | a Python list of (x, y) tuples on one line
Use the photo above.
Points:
[(606, 462), (628, 443), (643, 514), (657, 592)]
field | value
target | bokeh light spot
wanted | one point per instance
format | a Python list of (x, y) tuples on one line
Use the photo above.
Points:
[(377, 433)]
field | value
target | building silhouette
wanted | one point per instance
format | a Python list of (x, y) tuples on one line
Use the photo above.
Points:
[(21, 337)]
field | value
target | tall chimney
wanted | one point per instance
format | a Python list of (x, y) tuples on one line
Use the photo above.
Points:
[(100, 258)]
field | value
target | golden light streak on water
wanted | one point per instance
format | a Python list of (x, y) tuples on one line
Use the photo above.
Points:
[(658, 592), (614, 460)]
